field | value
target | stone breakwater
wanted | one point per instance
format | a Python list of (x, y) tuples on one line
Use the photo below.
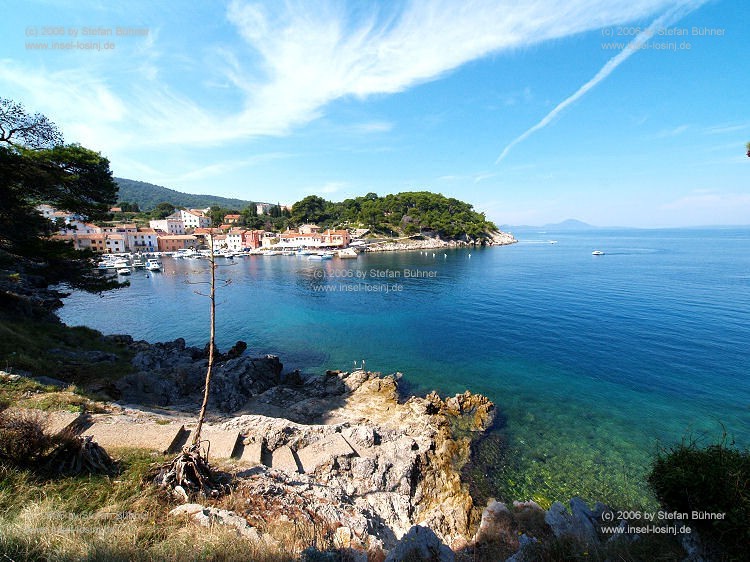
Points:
[(433, 243)]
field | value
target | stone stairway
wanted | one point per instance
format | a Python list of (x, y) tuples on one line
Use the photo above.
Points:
[(168, 438)]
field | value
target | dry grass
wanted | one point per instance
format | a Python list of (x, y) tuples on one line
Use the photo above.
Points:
[(124, 517)]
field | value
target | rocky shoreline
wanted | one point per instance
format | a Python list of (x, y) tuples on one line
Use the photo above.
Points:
[(383, 464), (346, 450), (497, 238)]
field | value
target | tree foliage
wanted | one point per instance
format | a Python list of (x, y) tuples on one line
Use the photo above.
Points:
[(162, 210), (20, 128), (68, 177), (409, 213)]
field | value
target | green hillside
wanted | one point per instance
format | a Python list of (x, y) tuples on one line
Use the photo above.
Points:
[(411, 212), (148, 196)]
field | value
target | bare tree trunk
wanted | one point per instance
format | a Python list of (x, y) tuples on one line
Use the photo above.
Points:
[(211, 346)]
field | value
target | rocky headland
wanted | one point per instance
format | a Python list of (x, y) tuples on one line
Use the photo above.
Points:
[(435, 242)]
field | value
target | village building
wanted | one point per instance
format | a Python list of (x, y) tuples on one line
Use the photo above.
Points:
[(144, 240), (115, 243), (175, 242), (252, 239), (193, 218), (168, 225)]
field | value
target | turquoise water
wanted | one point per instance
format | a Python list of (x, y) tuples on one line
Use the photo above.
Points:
[(592, 360)]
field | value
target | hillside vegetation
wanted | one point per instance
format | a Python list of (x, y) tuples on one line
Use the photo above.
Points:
[(402, 214), (407, 213), (148, 196)]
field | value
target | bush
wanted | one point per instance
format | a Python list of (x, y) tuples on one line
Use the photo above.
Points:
[(23, 441), (714, 479)]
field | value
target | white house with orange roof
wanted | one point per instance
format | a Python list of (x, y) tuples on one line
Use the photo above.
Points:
[(168, 225), (193, 218), (308, 229), (236, 240), (116, 243)]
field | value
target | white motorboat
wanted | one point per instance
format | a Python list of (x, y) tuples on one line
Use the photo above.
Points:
[(597, 253), (123, 271), (153, 265)]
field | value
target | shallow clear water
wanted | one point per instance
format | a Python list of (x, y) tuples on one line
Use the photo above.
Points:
[(592, 360)]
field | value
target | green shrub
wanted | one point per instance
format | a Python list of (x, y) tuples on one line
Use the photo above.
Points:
[(712, 479)]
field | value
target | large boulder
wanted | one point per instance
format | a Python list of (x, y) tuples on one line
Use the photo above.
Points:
[(420, 543), (235, 381)]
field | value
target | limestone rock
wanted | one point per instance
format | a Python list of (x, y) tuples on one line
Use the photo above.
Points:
[(420, 543), (497, 525)]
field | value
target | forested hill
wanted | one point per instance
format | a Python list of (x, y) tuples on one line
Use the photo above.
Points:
[(148, 196), (406, 213)]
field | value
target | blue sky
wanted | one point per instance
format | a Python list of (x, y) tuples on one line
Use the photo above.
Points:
[(526, 112)]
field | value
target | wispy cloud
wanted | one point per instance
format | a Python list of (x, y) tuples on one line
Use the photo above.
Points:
[(668, 18), (328, 188), (296, 58), (672, 132), (219, 168), (725, 129), (474, 178)]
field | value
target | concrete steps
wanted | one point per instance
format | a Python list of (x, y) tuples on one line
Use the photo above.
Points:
[(57, 422), (159, 438), (323, 451), (221, 444)]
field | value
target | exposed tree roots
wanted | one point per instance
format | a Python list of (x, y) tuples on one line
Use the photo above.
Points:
[(190, 474)]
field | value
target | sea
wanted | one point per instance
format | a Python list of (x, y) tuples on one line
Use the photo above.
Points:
[(597, 364)]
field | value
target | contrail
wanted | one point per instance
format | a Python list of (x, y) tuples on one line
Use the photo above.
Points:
[(665, 20)]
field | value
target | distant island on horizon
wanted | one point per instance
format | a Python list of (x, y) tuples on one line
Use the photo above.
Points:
[(568, 224)]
